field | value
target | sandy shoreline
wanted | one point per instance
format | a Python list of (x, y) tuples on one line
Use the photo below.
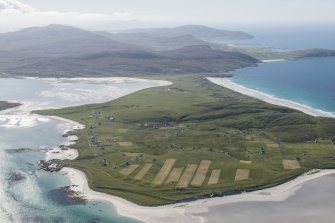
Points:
[(101, 80), (187, 212), (273, 60), (227, 83)]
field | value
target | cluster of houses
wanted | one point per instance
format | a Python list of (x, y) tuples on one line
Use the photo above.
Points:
[(95, 142), (124, 164)]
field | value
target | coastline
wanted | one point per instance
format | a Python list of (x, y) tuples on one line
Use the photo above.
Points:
[(189, 212), (23, 115), (101, 80), (227, 83), (181, 212), (273, 60)]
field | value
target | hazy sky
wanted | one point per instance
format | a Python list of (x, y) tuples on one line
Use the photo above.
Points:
[(108, 14)]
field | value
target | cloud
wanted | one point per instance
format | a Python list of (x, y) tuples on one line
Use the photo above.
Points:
[(14, 7), (17, 15)]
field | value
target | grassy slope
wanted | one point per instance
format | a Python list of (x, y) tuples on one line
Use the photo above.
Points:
[(204, 121)]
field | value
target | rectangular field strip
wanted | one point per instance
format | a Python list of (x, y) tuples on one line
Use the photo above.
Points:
[(128, 170), (245, 162), (214, 178), (174, 175), (291, 164), (187, 176), (126, 143), (143, 171), (242, 174), (201, 173), (272, 145), (164, 171)]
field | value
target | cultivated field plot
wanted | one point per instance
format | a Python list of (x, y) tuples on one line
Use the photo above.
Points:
[(272, 145), (201, 173), (242, 174), (214, 178), (126, 143), (248, 137), (245, 162), (128, 170), (174, 175), (187, 176), (164, 171), (143, 171), (291, 164), (131, 154)]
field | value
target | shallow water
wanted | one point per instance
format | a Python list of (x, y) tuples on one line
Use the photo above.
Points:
[(27, 200)]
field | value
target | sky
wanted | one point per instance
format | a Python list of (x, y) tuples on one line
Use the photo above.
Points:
[(117, 14)]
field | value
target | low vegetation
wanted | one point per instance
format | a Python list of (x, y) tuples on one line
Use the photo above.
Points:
[(194, 139)]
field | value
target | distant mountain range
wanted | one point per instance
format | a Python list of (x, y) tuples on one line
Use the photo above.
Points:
[(58, 50), (154, 42), (54, 41), (201, 32)]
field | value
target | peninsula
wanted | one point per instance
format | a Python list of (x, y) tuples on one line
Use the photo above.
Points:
[(194, 139)]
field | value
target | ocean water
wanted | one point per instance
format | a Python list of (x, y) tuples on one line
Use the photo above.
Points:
[(307, 81), (28, 200)]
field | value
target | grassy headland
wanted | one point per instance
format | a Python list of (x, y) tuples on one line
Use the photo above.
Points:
[(127, 141)]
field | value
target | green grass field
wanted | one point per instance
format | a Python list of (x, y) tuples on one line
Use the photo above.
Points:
[(190, 121)]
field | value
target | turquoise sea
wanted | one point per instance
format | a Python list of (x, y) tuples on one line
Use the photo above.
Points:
[(307, 81), (28, 200)]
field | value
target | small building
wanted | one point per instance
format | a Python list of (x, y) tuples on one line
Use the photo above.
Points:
[(104, 162)]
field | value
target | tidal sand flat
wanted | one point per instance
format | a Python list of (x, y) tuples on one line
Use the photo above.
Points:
[(313, 201)]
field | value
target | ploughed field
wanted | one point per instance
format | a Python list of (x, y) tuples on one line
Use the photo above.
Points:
[(194, 139)]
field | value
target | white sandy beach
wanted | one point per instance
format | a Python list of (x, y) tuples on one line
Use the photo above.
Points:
[(227, 83), (57, 153), (273, 60), (187, 212), (101, 80)]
